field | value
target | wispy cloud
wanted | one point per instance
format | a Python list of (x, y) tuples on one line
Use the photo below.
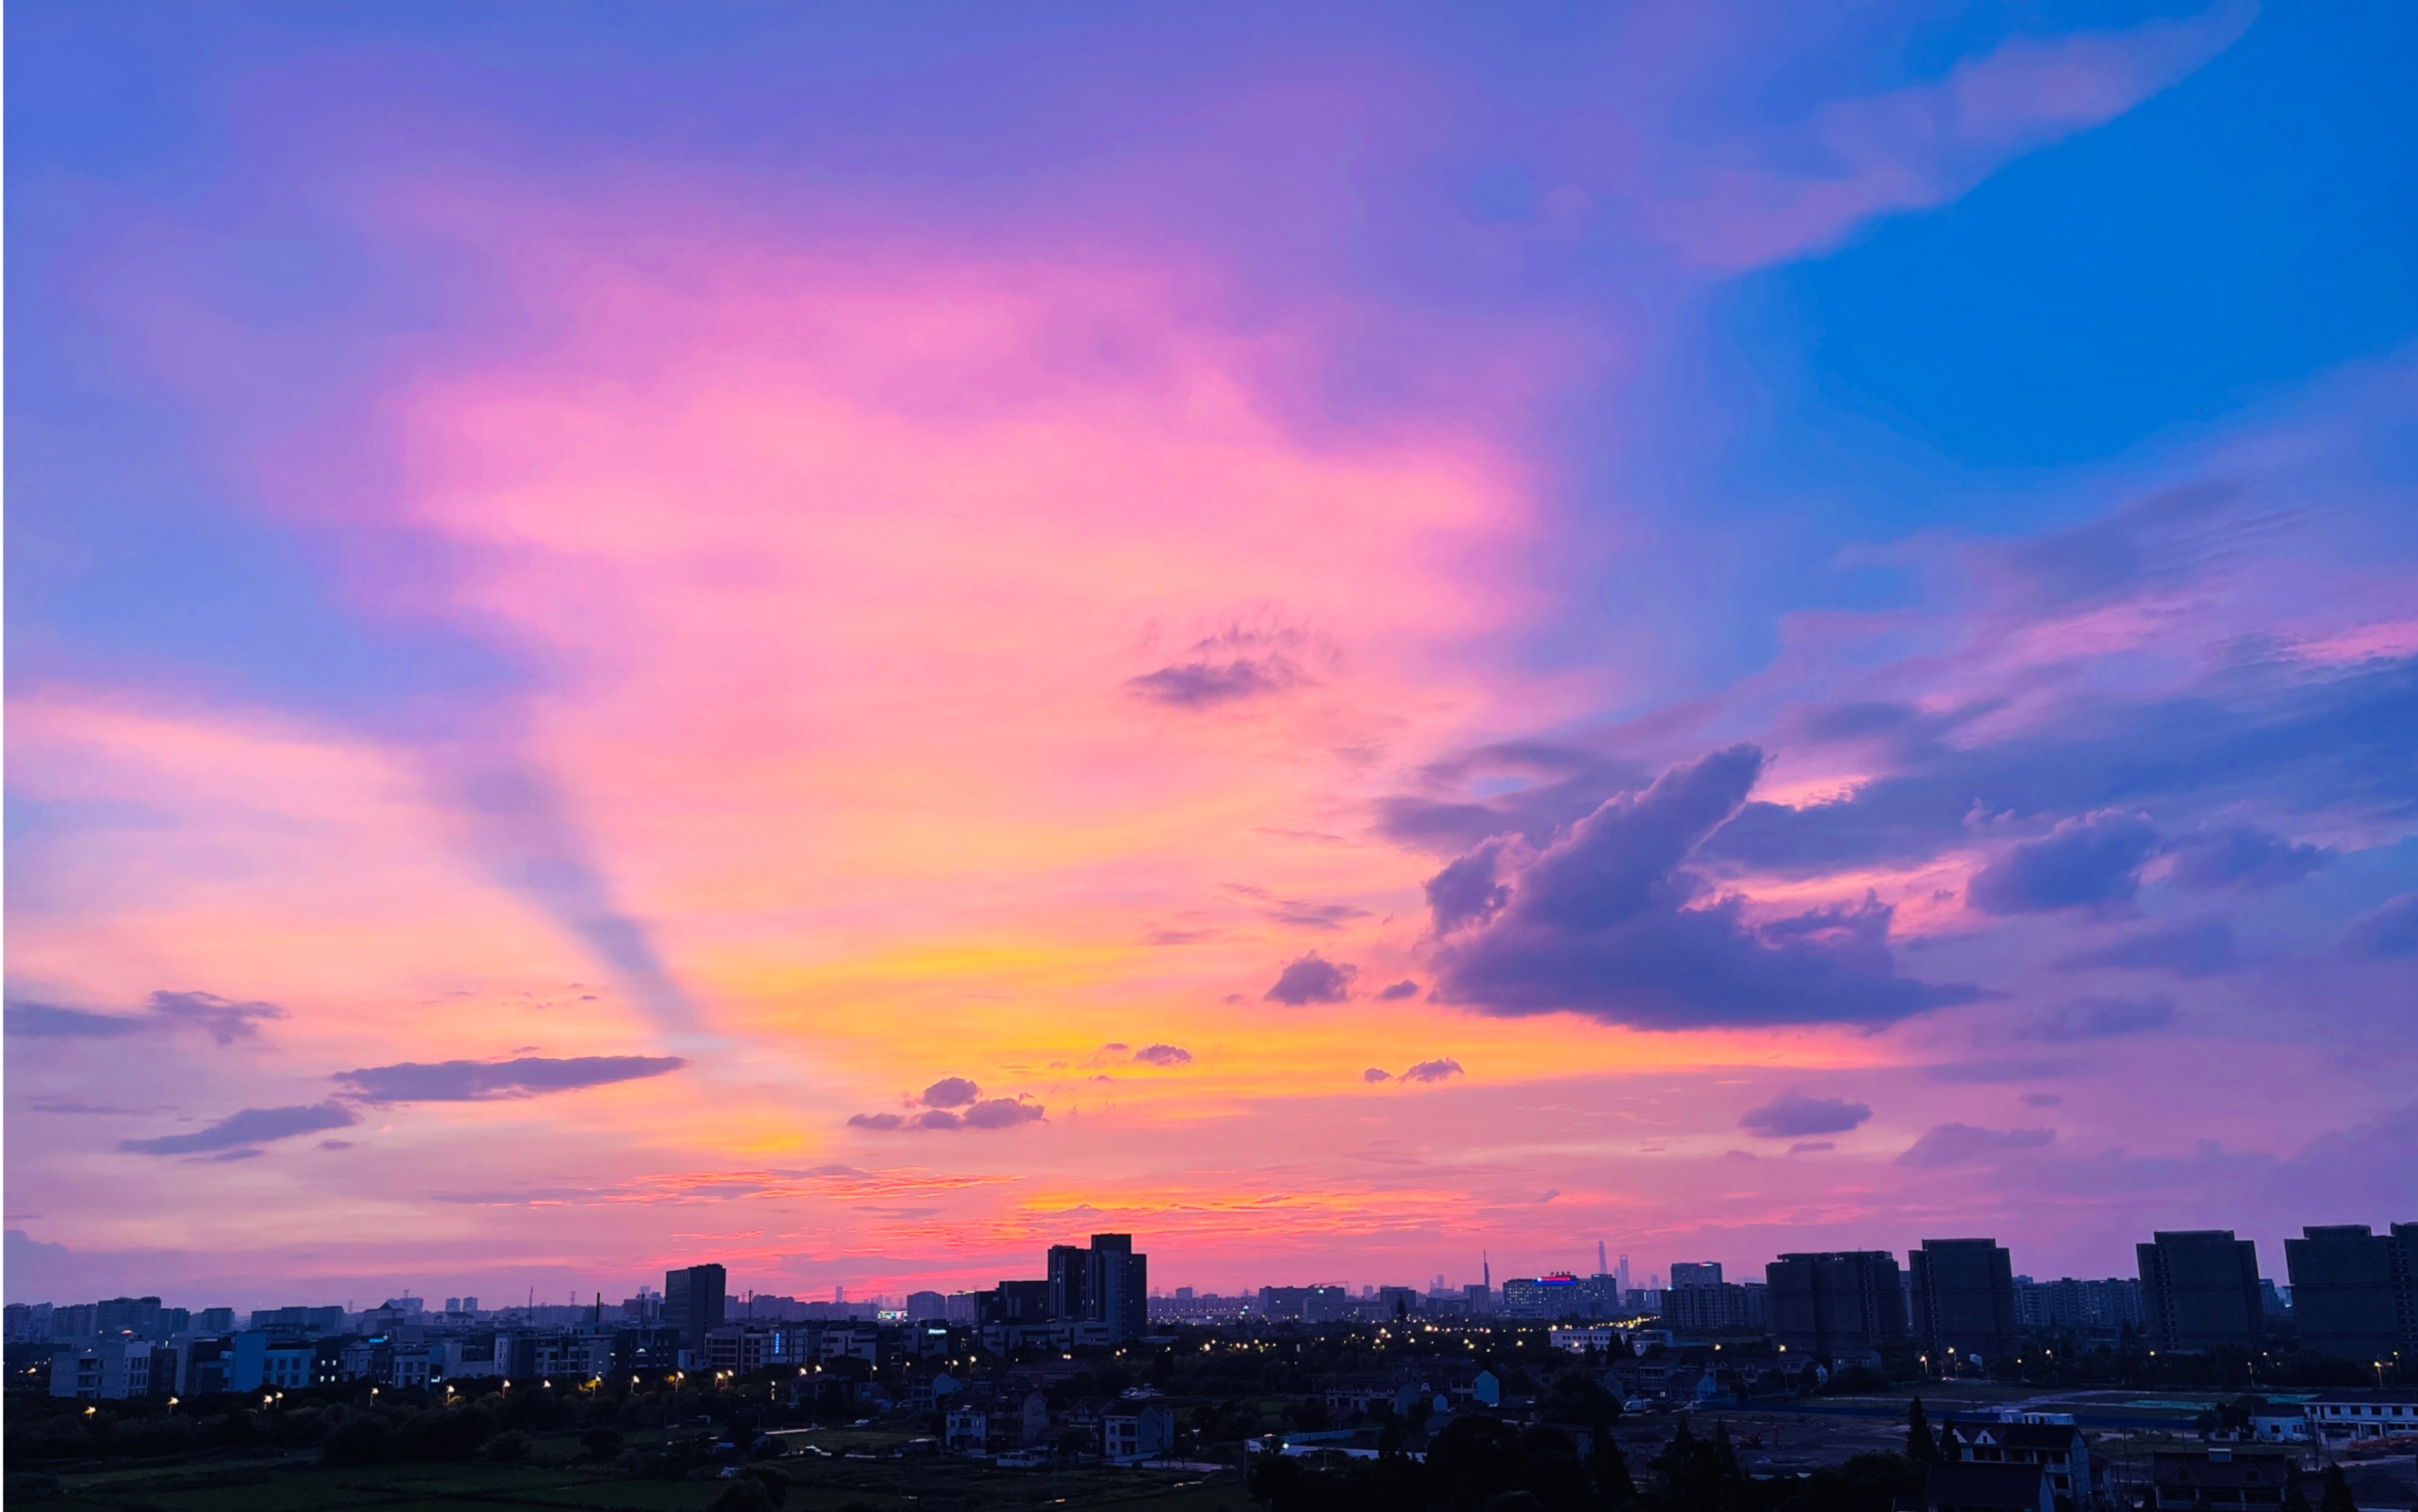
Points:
[(253, 1126)]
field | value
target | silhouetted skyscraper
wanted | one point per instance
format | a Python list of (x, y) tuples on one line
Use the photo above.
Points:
[(1964, 1297), (2354, 1291), (1117, 1287), (694, 1299), (2199, 1291), (1070, 1267), (1826, 1304)]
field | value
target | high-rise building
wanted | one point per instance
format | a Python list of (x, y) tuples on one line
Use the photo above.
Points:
[(926, 1307), (1685, 1273), (1830, 1304), (1964, 1297), (2355, 1291), (1069, 1283), (695, 1301), (2199, 1291), (1116, 1286)]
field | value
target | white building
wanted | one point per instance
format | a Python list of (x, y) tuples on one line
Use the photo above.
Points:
[(2339, 1417)]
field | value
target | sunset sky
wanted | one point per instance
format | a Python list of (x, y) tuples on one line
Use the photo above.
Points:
[(857, 639)]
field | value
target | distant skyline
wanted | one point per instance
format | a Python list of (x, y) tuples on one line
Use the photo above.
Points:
[(853, 643)]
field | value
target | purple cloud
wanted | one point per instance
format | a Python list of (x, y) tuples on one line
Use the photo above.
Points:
[(1398, 991), (223, 1019), (2243, 858), (2092, 862), (1312, 978), (482, 1082), (1608, 920), (951, 1092), (2391, 931), (993, 1113), (1794, 1114), (2190, 948), (2097, 1018), (1163, 1055), (1209, 684), (1437, 1070), (1375, 1074), (253, 1126), (1963, 1144)]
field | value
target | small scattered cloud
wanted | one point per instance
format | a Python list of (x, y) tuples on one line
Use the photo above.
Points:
[(2188, 947), (1794, 1114), (2243, 858), (1312, 978), (1211, 684), (252, 1127), (1987, 1072), (1810, 1147), (951, 1092), (80, 1107), (1116, 1047), (1964, 1144), (335, 1144), (2098, 1019), (984, 1114), (223, 1019), (1163, 1055), (2385, 932), (2091, 861), (1376, 1074), (1441, 1069), (1398, 991), (45, 1021), (484, 1081), (1180, 937)]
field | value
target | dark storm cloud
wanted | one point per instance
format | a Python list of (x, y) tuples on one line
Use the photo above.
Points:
[(2098, 1019), (2193, 947), (253, 1126), (1608, 920), (223, 1019), (481, 1081), (1795, 1115), (2243, 858), (1963, 1144), (2091, 862), (1312, 978)]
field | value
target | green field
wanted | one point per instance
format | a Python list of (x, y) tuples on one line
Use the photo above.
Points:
[(914, 1484)]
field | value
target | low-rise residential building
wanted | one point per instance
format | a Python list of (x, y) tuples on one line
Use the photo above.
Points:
[(1132, 1432), (2338, 1418), (2058, 1449), (1966, 1486), (2234, 1480)]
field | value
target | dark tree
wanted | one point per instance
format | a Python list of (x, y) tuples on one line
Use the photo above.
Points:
[(2336, 1497), (1919, 1445)]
